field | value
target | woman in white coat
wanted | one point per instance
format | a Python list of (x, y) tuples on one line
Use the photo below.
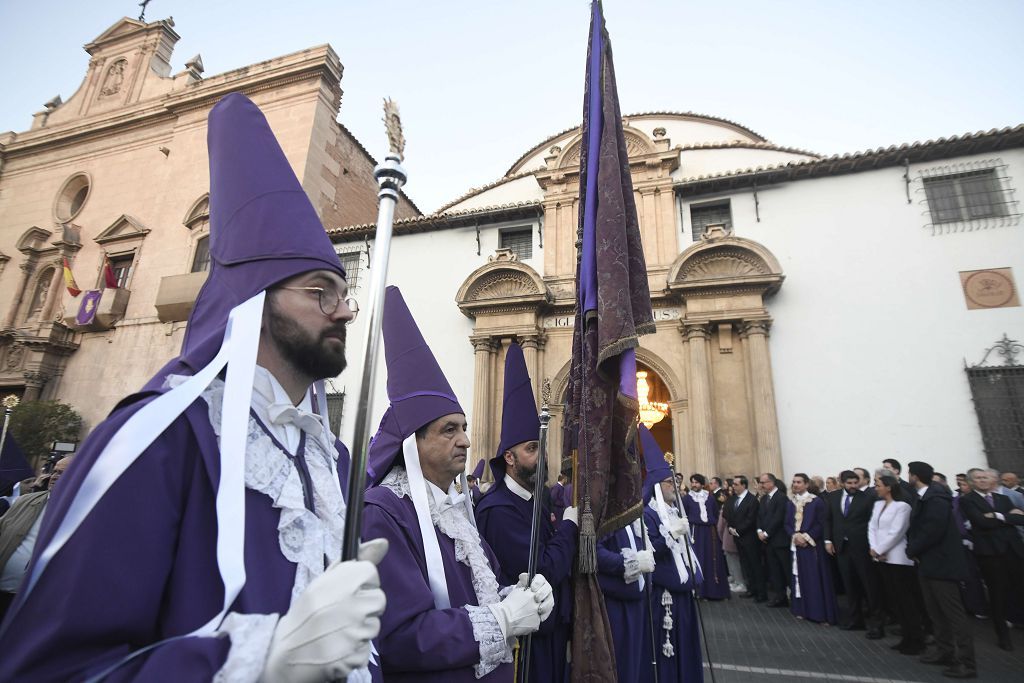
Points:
[(887, 537)]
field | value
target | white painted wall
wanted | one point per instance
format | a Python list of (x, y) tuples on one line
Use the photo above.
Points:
[(694, 163), (525, 189)]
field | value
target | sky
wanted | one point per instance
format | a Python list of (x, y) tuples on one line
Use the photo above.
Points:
[(481, 82)]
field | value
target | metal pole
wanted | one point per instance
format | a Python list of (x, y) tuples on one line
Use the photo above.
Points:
[(538, 512), (390, 177), (9, 403)]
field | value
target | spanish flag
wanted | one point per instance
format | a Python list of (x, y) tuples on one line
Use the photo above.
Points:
[(69, 280)]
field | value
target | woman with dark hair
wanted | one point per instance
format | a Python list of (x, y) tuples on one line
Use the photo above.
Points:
[(887, 537)]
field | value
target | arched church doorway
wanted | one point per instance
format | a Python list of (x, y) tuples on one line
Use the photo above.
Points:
[(655, 412)]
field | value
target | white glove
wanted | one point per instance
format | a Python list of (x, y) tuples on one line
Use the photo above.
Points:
[(517, 614), (327, 632), (645, 558), (571, 514), (542, 593), (679, 527)]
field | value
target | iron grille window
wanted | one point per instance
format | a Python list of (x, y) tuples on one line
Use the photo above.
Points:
[(350, 261), (335, 409), (965, 196), (519, 241), (703, 215), (998, 394)]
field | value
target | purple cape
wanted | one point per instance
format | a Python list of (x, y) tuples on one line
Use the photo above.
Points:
[(686, 665), (817, 600), (708, 547), (504, 520), (417, 641), (627, 608)]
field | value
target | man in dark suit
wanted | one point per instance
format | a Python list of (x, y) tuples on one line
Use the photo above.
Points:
[(908, 490), (933, 541), (741, 516), (846, 538), (771, 518), (1012, 481), (997, 546)]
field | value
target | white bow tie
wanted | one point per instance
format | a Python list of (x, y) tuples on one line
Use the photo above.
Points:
[(284, 413), (452, 500)]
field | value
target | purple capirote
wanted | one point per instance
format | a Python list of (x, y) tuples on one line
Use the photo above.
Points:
[(417, 388), (519, 419)]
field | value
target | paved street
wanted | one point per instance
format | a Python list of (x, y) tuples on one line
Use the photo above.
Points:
[(750, 642)]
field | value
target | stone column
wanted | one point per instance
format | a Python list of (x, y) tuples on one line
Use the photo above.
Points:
[(482, 399), (27, 268), (683, 462), (702, 420), (754, 334), (34, 382), (53, 295), (530, 344)]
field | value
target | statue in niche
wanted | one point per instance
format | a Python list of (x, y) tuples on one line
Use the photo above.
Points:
[(114, 79)]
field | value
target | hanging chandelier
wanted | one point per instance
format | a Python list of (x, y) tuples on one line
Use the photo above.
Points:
[(651, 413)]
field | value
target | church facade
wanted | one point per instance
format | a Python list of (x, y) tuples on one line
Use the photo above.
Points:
[(813, 314), (118, 174)]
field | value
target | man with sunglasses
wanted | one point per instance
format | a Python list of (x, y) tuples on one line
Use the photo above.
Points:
[(197, 535)]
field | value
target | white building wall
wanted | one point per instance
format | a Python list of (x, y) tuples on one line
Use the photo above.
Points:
[(871, 329)]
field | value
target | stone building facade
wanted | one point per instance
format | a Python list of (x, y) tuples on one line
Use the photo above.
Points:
[(118, 172), (811, 312)]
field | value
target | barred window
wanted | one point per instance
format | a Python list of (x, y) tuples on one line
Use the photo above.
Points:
[(964, 196), (703, 215), (350, 261), (520, 241), (335, 409), (201, 259)]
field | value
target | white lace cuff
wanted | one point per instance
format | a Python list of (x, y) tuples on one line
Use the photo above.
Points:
[(631, 564), (494, 648), (250, 642)]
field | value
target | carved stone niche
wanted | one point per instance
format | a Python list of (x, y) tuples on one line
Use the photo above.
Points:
[(502, 285), (724, 266)]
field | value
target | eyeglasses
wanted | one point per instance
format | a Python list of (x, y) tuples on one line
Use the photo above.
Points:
[(329, 300)]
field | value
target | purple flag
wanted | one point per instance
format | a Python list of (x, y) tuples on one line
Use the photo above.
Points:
[(612, 310), (87, 309)]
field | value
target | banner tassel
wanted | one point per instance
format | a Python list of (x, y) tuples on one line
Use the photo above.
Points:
[(588, 540)]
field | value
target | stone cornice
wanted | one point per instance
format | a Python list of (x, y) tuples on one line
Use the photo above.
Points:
[(443, 221)]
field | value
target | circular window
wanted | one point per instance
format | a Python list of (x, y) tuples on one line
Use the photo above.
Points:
[(72, 197)]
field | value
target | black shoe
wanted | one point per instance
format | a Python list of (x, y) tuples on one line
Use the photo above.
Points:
[(875, 634), (1006, 644), (761, 598), (748, 594), (959, 670), (852, 627), (779, 603), (937, 657)]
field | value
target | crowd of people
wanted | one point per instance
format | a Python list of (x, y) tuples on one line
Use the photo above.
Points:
[(912, 557)]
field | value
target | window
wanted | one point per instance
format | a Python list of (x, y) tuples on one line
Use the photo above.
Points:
[(703, 215), (71, 197), (122, 267), (335, 409), (201, 260), (520, 241), (350, 261), (964, 196)]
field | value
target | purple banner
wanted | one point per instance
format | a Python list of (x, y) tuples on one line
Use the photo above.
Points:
[(87, 310)]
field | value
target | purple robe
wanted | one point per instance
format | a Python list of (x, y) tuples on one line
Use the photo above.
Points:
[(627, 608), (817, 600), (708, 546), (418, 642), (142, 566), (686, 665), (505, 522)]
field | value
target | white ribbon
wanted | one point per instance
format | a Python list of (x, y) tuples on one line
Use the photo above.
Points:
[(677, 556), (286, 413), (241, 340), (632, 544)]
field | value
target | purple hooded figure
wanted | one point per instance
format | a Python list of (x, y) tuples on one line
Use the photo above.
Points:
[(676, 573), (453, 621), (201, 521), (505, 519)]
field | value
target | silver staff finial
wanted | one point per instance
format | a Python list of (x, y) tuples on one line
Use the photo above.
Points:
[(393, 122)]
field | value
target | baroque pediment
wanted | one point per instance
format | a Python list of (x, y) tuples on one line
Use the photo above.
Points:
[(723, 263), (502, 282), (124, 228)]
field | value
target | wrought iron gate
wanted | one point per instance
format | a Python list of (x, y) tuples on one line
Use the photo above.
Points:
[(998, 393)]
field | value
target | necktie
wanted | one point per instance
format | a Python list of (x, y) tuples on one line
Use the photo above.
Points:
[(737, 504), (283, 413), (990, 501), (846, 505)]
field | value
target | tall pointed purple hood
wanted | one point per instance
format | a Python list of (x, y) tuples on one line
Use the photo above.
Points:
[(658, 469), (417, 388), (263, 228), (519, 419)]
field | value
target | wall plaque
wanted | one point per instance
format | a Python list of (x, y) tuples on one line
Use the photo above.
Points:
[(992, 288)]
